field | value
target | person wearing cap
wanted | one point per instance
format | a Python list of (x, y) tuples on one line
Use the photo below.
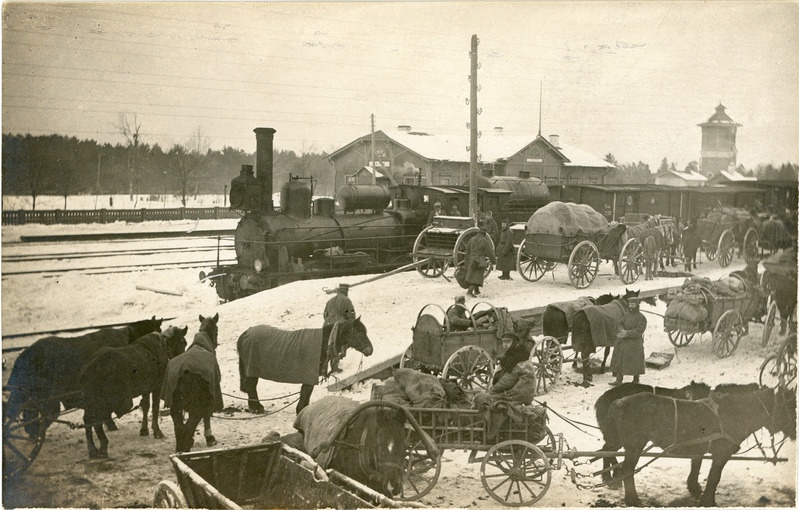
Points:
[(515, 381), (456, 315), (491, 227), (506, 256), (436, 211), (339, 307), (628, 351), (478, 249)]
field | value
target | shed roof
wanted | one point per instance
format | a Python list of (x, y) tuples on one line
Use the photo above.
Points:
[(687, 176), (734, 176)]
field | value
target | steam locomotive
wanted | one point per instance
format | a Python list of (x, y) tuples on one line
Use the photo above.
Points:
[(307, 239)]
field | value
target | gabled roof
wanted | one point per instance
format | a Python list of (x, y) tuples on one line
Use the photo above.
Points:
[(686, 176), (720, 117), (734, 176)]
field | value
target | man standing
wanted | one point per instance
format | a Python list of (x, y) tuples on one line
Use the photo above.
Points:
[(506, 261), (628, 352), (339, 307), (436, 211), (690, 243), (477, 250), (491, 227)]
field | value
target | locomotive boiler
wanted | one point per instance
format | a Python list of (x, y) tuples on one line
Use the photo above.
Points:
[(308, 238)]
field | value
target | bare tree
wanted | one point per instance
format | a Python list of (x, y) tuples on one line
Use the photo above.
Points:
[(189, 161), (131, 130)]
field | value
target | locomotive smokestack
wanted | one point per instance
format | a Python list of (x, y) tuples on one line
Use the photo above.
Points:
[(264, 138)]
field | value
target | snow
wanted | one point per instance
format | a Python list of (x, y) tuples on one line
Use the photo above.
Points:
[(389, 308)]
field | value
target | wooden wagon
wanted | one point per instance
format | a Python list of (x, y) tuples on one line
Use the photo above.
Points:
[(267, 475), (470, 356), (572, 234), (725, 228), (443, 244)]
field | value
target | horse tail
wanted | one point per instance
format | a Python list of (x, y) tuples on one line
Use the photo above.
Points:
[(581, 332), (191, 393), (555, 323)]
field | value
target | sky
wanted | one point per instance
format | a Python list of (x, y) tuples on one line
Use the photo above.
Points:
[(628, 78)]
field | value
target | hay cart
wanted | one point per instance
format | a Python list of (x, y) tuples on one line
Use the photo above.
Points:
[(572, 234), (470, 356), (725, 228), (443, 244)]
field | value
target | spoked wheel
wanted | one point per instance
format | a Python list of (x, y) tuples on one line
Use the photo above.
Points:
[(709, 249), (548, 357), (548, 444), (436, 266), (727, 333), (726, 248), (531, 268), (680, 338), (471, 366), (459, 252), (768, 322), (168, 495), (750, 246), (421, 469), (23, 436), (583, 264), (515, 473), (631, 261)]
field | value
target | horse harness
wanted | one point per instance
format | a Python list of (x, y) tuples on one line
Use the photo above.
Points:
[(363, 458), (700, 440)]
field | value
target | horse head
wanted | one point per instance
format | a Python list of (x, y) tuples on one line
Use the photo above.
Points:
[(605, 299), (352, 333), (175, 340), (695, 391), (140, 328), (784, 413), (209, 327), (382, 458)]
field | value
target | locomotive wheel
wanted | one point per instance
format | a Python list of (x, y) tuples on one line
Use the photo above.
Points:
[(709, 249), (531, 268), (583, 264), (679, 338), (168, 495), (421, 469), (515, 473), (631, 261), (768, 322), (727, 333), (548, 356), (726, 248), (435, 267), (471, 366), (459, 252), (23, 436), (750, 246)]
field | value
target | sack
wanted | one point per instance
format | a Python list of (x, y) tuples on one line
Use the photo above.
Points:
[(460, 276)]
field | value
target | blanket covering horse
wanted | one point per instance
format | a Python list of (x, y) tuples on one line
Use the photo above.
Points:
[(318, 423), (604, 321), (569, 308), (198, 359), (282, 356)]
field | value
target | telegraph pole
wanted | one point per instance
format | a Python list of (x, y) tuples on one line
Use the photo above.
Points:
[(374, 163), (473, 168)]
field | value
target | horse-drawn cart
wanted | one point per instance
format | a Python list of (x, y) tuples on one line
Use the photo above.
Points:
[(267, 475), (722, 229), (576, 235), (444, 243), (470, 356)]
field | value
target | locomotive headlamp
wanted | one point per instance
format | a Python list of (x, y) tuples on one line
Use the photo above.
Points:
[(258, 265)]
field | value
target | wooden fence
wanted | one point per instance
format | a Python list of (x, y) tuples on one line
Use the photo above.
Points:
[(71, 217)]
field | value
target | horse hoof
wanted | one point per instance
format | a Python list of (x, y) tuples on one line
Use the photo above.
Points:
[(257, 410), (210, 441), (144, 432), (111, 426)]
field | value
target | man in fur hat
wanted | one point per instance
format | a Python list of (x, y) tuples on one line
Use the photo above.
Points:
[(628, 352)]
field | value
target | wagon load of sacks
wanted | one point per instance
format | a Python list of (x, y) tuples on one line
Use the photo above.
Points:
[(414, 389), (692, 301)]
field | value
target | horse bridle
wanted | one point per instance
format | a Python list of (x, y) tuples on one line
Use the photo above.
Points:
[(363, 459)]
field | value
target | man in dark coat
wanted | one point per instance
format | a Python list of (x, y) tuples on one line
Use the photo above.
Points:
[(690, 243), (628, 352), (477, 250), (506, 259), (491, 227), (338, 308)]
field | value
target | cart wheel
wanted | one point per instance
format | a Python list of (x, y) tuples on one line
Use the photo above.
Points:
[(548, 357), (768, 323), (24, 429), (168, 495), (471, 366), (727, 333), (459, 252), (421, 469), (679, 338), (548, 444), (515, 473), (583, 264), (531, 268), (631, 261), (726, 248), (406, 361), (436, 266), (750, 246)]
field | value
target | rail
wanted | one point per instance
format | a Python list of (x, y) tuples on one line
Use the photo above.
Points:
[(70, 217)]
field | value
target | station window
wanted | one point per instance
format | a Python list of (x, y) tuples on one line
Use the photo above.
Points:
[(445, 181), (349, 179), (524, 174)]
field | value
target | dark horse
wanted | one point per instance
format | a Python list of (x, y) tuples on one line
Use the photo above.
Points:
[(46, 373), (596, 326), (365, 442), (693, 391), (192, 386), (297, 357), (113, 377), (557, 317), (716, 425)]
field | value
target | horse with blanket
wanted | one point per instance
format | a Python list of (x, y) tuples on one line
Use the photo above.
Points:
[(113, 377), (655, 236), (596, 326), (47, 371), (557, 317), (295, 357), (192, 386), (716, 425)]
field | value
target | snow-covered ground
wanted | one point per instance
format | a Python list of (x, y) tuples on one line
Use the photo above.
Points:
[(62, 476), (123, 201)]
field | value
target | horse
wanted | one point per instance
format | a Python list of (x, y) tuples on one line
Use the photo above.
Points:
[(192, 386), (365, 442), (47, 371), (716, 425), (557, 317), (295, 357), (596, 326), (693, 391), (113, 377)]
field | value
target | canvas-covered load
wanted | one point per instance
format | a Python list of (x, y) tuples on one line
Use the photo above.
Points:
[(566, 219)]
